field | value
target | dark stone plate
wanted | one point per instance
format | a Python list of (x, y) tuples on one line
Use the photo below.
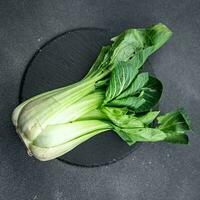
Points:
[(64, 60)]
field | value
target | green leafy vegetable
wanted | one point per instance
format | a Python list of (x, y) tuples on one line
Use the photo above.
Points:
[(136, 86), (121, 77), (133, 45), (151, 92), (149, 117), (175, 124), (177, 121), (171, 128), (121, 119), (143, 93), (141, 135), (114, 95)]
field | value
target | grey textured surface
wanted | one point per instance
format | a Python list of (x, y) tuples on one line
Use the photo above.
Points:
[(156, 171)]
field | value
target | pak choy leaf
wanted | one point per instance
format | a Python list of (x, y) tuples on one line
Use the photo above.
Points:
[(134, 135), (171, 128), (149, 117), (133, 45), (142, 94), (121, 77), (151, 92), (121, 118), (132, 102), (137, 44), (136, 86), (175, 124), (176, 121), (132, 128)]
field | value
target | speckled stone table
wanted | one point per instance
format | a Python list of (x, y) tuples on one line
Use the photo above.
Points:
[(157, 171)]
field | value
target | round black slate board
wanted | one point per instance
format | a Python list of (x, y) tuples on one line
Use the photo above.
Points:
[(65, 60)]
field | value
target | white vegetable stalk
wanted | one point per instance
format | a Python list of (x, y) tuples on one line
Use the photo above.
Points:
[(56, 140), (46, 123), (45, 154)]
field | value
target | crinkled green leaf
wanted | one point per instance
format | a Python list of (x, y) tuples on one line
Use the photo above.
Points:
[(149, 117), (151, 93), (140, 135), (149, 96), (136, 86), (131, 102), (122, 119), (114, 110), (134, 45), (150, 135), (174, 137), (121, 77), (175, 124), (177, 121), (172, 127), (138, 44)]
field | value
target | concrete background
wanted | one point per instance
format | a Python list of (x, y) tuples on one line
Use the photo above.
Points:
[(156, 171)]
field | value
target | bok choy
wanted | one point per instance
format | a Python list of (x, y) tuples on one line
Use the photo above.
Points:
[(114, 95)]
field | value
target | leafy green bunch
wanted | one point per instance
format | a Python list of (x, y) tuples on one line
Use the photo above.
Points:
[(114, 95)]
